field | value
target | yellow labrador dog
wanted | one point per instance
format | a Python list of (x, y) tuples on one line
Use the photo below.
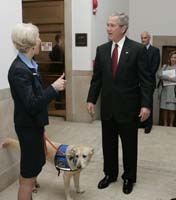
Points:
[(70, 158)]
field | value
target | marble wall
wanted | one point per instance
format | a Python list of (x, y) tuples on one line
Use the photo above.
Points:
[(77, 97), (9, 160)]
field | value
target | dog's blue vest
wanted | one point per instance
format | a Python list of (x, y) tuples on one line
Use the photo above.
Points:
[(60, 159)]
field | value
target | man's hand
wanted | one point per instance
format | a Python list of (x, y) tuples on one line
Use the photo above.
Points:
[(144, 113), (90, 108)]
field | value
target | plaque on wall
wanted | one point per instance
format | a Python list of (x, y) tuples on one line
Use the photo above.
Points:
[(81, 39)]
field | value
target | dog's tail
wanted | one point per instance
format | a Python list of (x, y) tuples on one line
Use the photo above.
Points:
[(10, 143)]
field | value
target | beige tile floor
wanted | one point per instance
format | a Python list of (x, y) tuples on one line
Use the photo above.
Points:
[(156, 165)]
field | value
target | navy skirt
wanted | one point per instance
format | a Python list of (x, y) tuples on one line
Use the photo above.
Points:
[(32, 150)]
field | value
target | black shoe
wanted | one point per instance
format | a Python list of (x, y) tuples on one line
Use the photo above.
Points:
[(127, 186), (147, 129), (173, 199), (106, 181)]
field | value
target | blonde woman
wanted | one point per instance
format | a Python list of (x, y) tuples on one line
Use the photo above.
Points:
[(30, 105)]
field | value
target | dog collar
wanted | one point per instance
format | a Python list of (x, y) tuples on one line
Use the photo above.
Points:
[(60, 159)]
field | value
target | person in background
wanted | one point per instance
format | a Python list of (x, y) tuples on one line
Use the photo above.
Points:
[(30, 105), (167, 96), (122, 76), (153, 59), (57, 53), (57, 57)]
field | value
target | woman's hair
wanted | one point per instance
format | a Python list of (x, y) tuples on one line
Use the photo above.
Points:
[(24, 36), (170, 55)]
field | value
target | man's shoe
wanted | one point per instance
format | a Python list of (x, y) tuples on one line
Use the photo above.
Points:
[(173, 199), (105, 182), (147, 129), (127, 186)]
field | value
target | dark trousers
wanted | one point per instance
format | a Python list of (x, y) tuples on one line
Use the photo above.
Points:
[(111, 131)]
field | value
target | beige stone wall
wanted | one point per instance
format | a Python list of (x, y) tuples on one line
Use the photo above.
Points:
[(80, 86), (9, 160)]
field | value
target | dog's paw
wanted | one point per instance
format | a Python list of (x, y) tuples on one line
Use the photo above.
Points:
[(80, 190)]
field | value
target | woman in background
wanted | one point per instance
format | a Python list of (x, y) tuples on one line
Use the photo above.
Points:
[(30, 105), (167, 96)]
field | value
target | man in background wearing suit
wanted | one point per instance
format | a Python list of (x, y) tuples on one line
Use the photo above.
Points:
[(121, 75), (153, 57)]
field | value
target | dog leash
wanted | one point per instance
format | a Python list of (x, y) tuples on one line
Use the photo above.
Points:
[(53, 145)]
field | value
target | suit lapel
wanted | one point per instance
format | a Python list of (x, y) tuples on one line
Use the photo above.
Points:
[(108, 58), (31, 70)]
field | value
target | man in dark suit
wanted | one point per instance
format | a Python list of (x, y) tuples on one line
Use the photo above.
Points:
[(121, 75), (153, 58)]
